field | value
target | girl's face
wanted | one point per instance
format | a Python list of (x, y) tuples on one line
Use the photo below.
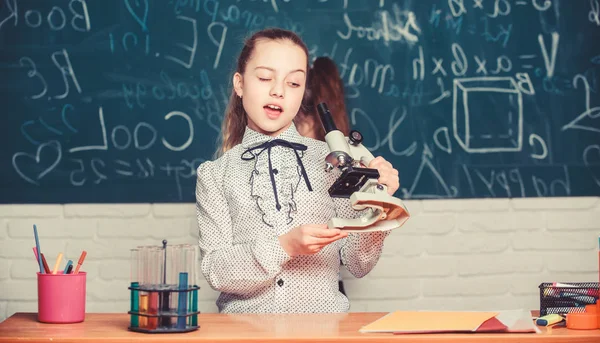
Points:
[(272, 85)]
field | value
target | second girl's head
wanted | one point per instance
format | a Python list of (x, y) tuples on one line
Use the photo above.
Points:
[(326, 85), (269, 85)]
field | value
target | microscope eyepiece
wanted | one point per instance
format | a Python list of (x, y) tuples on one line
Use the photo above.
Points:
[(326, 118), (322, 107)]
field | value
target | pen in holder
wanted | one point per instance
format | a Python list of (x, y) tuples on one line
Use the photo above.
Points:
[(163, 290)]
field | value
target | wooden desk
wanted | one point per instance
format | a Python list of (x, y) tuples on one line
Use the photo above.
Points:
[(109, 328)]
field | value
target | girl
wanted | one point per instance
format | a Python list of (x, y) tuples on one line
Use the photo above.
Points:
[(263, 205), (327, 86)]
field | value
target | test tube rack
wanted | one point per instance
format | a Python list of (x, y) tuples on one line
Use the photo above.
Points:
[(163, 290)]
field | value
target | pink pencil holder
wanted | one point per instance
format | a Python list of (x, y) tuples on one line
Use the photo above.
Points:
[(61, 297)]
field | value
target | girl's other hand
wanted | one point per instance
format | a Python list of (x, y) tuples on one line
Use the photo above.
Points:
[(309, 239), (387, 174)]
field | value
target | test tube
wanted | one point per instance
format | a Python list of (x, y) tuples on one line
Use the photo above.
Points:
[(154, 269), (174, 274), (134, 296), (187, 294), (189, 261), (140, 266), (172, 265), (194, 317), (194, 269), (160, 286), (143, 269), (133, 267), (165, 297), (182, 306), (182, 286)]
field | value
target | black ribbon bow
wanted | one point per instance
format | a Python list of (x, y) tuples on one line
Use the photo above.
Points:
[(267, 146)]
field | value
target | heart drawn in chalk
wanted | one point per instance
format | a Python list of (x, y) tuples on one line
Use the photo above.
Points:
[(47, 157), (139, 11)]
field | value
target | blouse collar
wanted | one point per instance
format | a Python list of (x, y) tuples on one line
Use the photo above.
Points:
[(253, 138)]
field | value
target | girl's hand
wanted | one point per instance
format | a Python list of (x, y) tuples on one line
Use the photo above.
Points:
[(387, 174), (309, 239)]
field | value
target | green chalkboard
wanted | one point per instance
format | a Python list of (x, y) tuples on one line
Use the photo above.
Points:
[(120, 101)]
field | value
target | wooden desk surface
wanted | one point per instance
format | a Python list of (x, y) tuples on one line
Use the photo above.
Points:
[(109, 328)]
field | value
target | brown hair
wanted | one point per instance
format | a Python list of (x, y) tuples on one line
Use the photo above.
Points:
[(235, 120), (326, 86)]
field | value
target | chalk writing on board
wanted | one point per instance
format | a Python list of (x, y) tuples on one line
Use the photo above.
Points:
[(507, 135), (594, 14), (426, 167), (589, 119), (48, 155), (390, 27), (56, 18)]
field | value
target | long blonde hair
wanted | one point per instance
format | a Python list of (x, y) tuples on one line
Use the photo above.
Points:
[(235, 120)]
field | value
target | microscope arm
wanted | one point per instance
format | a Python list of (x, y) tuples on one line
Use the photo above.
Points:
[(379, 210)]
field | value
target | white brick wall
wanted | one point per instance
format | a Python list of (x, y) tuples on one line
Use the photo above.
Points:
[(480, 254)]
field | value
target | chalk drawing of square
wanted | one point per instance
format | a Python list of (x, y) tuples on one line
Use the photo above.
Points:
[(487, 114)]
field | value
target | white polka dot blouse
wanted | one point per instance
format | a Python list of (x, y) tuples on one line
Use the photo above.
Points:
[(257, 191)]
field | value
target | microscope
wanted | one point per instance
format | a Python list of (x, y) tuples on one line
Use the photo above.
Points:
[(379, 210)]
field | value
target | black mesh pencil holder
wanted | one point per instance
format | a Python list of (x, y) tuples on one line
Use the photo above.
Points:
[(568, 297), (163, 290)]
